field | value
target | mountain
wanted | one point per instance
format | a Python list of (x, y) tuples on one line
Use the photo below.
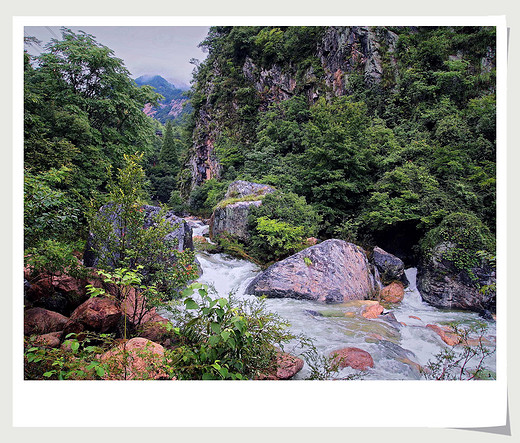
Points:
[(174, 105)]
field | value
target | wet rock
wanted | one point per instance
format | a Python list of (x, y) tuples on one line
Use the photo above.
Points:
[(443, 286), (339, 272), (373, 311), (390, 267), (42, 321), (354, 357), (313, 313), (447, 337), (393, 293), (99, 314)]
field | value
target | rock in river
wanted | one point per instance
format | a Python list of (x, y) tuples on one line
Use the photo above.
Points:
[(337, 272)]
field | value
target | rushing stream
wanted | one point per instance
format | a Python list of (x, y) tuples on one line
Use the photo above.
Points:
[(396, 346)]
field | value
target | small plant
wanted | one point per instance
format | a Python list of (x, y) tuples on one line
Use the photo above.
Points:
[(226, 339), (307, 261), (75, 360), (466, 361), (135, 299)]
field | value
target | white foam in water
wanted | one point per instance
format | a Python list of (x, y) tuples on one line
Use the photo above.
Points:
[(412, 342)]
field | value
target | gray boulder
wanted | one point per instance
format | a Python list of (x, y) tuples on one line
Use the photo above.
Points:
[(331, 271), (442, 285), (390, 267), (181, 232), (231, 218)]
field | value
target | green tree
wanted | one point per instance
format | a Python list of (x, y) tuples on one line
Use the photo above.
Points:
[(121, 239), (82, 108)]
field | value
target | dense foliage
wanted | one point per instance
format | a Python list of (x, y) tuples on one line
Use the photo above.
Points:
[(399, 154)]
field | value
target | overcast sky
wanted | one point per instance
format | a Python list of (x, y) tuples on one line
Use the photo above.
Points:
[(146, 50)]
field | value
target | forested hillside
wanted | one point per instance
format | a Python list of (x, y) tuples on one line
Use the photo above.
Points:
[(386, 132)]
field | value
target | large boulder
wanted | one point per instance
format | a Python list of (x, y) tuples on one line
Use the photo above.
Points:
[(230, 216), (390, 267), (42, 321), (60, 293), (231, 219), (331, 271), (442, 285), (99, 314), (354, 357), (136, 359), (181, 232)]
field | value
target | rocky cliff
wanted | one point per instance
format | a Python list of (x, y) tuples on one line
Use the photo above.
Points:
[(340, 53)]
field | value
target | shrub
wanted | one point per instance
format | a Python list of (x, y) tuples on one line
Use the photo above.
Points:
[(466, 361), (205, 197), (280, 225), (226, 338)]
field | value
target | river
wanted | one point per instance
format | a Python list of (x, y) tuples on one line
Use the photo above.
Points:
[(397, 347)]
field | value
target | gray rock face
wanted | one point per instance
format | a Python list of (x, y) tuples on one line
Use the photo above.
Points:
[(232, 219), (181, 231), (337, 272), (347, 49), (443, 286), (390, 267)]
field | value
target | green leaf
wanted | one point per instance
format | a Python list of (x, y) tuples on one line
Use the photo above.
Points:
[(100, 371), (191, 304), (215, 327), (214, 340), (225, 335)]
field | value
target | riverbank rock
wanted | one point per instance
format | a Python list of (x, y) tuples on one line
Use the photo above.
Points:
[(339, 272), (99, 314), (57, 292), (373, 311), (137, 359), (231, 220), (393, 293), (42, 321), (389, 266), (354, 357), (287, 366), (443, 286), (446, 335), (231, 217), (180, 232)]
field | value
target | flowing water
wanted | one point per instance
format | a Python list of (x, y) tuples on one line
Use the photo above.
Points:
[(397, 347)]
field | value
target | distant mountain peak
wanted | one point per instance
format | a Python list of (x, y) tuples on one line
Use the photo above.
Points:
[(174, 99)]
